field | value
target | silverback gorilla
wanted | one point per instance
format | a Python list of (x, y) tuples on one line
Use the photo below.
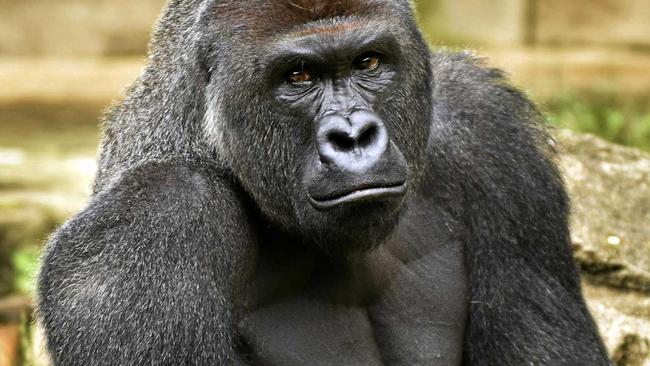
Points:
[(296, 182)]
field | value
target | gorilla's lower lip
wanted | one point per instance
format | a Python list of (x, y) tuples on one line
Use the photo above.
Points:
[(359, 195)]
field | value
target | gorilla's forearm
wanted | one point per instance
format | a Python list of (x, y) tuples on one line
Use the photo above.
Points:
[(147, 272)]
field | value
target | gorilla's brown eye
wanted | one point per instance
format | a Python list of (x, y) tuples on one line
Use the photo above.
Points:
[(298, 76), (368, 61)]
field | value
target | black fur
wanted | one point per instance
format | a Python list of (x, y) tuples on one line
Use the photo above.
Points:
[(198, 246)]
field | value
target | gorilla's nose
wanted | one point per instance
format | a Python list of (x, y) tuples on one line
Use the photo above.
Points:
[(354, 143)]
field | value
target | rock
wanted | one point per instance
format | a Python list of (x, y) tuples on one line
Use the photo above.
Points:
[(624, 321), (609, 187), (610, 190), (633, 351)]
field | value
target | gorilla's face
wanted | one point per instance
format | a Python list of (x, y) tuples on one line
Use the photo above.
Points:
[(326, 126)]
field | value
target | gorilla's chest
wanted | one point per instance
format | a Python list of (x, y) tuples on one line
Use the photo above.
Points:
[(404, 304)]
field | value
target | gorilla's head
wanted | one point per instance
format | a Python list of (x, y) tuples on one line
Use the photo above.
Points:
[(321, 110)]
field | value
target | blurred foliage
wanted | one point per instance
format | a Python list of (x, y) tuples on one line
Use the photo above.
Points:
[(625, 122), (25, 263)]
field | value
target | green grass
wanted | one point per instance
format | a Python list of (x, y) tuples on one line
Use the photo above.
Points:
[(625, 122), (25, 263)]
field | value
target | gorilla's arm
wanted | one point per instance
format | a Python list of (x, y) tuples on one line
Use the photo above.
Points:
[(148, 272), (491, 163)]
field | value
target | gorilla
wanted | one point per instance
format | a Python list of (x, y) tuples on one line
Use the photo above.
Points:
[(304, 182)]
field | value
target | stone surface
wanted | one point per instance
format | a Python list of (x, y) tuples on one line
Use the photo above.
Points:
[(623, 318), (610, 190)]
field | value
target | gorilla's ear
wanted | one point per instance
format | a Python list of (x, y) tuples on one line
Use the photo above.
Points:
[(161, 115)]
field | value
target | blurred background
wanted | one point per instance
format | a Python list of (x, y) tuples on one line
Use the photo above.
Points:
[(586, 62)]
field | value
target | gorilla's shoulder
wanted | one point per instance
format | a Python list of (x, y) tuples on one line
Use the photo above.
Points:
[(489, 128), (454, 71), (468, 92), (160, 198), (164, 188)]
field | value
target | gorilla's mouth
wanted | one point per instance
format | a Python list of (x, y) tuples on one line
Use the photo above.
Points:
[(365, 193)]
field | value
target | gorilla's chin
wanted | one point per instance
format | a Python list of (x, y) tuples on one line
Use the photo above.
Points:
[(354, 228)]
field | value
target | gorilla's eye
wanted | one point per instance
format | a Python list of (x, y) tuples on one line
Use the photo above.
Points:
[(299, 75), (368, 61)]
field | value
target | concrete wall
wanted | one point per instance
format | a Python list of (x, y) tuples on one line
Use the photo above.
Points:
[(466, 21), (110, 27), (577, 22), (606, 22), (76, 27)]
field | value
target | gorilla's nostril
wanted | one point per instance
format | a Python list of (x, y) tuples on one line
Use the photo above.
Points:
[(354, 144), (341, 141), (368, 136)]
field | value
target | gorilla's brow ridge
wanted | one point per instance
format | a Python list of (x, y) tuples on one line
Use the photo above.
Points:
[(328, 28), (265, 18)]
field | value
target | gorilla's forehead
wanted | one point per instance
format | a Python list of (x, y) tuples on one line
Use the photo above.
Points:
[(336, 37), (263, 18), (335, 25)]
